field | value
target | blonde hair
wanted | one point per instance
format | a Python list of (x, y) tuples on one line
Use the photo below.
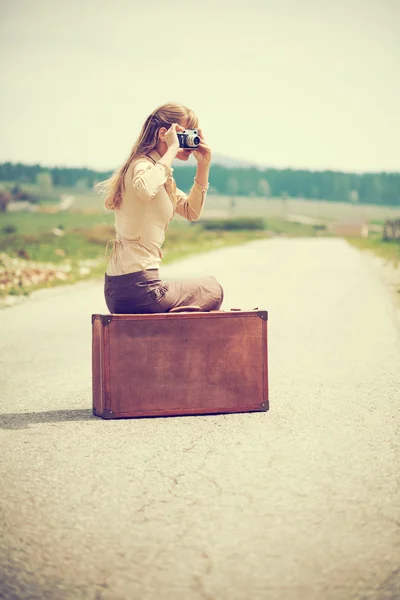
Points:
[(164, 116)]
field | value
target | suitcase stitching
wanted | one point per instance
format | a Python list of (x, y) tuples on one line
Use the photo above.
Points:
[(93, 320), (264, 336), (106, 370), (205, 409), (191, 315)]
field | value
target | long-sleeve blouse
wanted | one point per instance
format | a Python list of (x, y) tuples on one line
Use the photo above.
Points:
[(149, 202)]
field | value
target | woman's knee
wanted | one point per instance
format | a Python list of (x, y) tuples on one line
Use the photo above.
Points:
[(219, 300), (221, 297)]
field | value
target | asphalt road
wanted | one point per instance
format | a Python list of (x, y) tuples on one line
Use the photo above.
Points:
[(301, 502)]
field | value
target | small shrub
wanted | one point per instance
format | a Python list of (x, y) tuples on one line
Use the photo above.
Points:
[(9, 229), (391, 230), (99, 234), (236, 224)]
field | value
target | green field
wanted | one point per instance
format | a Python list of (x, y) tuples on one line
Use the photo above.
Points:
[(74, 240), (390, 251), (316, 209), (266, 207), (70, 246)]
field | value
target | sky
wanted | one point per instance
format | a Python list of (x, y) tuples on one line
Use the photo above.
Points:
[(312, 84)]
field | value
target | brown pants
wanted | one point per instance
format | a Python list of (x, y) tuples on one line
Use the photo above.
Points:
[(144, 292)]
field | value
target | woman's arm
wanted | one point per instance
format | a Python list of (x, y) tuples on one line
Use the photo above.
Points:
[(148, 178), (203, 157), (191, 206)]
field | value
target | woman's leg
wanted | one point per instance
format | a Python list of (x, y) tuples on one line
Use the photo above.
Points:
[(144, 292), (204, 292), (133, 293)]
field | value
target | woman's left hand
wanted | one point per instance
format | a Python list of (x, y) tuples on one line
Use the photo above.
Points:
[(203, 151)]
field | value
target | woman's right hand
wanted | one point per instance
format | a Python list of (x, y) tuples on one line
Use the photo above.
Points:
[(170, 137)]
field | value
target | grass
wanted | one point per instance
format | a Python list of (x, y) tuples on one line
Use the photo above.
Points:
[(79, 251), (38, 222), (86, 227), (387, 250), (90, 201), (390, 251)]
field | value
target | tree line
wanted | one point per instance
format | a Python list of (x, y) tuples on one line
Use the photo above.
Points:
[(370, 188)]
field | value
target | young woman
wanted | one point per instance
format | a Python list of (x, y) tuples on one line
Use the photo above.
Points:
[(144, 198)]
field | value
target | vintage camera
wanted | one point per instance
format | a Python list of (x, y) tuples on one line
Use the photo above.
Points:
[(189, 138)]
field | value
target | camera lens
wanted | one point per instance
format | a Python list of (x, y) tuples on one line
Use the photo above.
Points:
[(192, 141)]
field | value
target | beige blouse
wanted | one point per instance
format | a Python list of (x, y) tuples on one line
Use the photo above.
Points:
[(149, 203)]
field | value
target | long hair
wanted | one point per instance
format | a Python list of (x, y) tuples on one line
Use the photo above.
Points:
[(164, 116)]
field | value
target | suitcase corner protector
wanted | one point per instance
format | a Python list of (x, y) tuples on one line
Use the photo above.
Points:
[(263, 314), (105, 319), (106, 414)]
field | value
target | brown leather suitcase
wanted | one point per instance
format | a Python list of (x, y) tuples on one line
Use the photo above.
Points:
[(179, 364)]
